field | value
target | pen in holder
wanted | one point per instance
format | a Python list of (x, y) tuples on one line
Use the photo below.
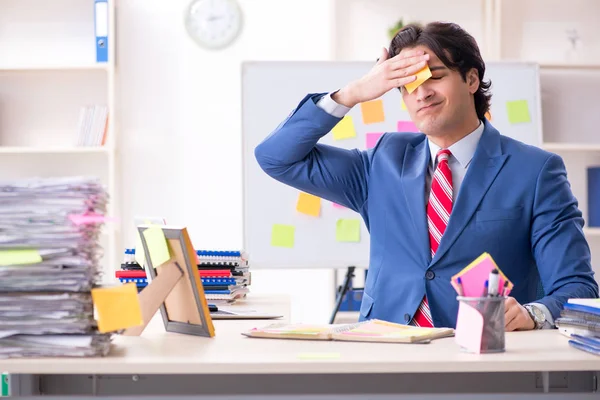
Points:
[(480, 324)]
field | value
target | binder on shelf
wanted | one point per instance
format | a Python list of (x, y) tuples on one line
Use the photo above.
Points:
[(593, 175), (101, 28)]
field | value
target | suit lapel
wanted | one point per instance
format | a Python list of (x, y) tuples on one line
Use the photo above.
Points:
[(414, 170), (487, 162)]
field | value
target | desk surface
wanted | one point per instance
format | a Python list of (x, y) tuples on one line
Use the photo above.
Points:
[(160, 352)]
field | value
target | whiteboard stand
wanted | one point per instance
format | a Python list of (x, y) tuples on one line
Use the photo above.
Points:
[(342, 290)]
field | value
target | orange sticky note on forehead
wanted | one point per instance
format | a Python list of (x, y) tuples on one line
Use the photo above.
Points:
[(422, 76)]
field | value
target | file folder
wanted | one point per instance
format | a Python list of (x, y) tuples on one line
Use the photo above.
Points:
[(101, 29)]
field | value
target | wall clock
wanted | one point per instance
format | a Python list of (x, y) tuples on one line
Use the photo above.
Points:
[(213, 24)]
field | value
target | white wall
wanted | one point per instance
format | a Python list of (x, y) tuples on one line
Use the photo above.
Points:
[(180, 121)]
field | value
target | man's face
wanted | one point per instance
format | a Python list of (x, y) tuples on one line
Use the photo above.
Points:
[(441, 105)]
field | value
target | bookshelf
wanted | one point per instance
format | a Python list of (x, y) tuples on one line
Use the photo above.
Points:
[(48, 72)]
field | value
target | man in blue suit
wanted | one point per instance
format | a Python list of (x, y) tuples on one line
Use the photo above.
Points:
[(434, 202)]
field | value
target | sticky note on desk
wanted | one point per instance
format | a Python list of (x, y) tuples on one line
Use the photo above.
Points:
[(469, 328), (318, 356), (372, 111), (518, 111), (157, 246), (282, 235), (422, 76), (347, 230), (19, 257), (118, 307), (308, 204), (344, 129)]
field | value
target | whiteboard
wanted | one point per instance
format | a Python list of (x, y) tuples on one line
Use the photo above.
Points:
[(272, 89)]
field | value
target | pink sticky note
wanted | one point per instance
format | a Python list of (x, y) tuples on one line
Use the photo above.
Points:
[(336, 205), (474, 275), (407, 126), (81, 219), (372, 139), (469, 328)]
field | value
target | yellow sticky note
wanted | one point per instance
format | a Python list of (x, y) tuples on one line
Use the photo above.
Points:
[(282, 235), (422, 76), (404, 105), (318, 356), (117, 307), (518, 111), (309, 204), (372, 111), (20, 256), (344, 129), (157, 246), (347, 230)]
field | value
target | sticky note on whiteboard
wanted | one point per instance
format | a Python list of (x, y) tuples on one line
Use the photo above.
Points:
[(372, 139), (344, 129), (308, 204), (372, 111), (518, 111), (282, 235)]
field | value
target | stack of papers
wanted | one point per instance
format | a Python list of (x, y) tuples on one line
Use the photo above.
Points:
[(49, 255), (580, 321)]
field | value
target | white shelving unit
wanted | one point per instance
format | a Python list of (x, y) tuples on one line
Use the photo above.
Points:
[(48, 71), (560, 36)]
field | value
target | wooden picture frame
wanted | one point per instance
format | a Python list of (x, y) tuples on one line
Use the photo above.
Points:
[(174, 287)]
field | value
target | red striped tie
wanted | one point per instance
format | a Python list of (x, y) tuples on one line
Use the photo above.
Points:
[(439, 208)]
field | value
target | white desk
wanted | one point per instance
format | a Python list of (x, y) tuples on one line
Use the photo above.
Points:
[(164, 363)]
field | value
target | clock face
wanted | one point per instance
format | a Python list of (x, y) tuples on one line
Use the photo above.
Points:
[(213, 23)]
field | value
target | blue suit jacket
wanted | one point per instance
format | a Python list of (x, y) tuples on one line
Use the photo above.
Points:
[(515, 203)]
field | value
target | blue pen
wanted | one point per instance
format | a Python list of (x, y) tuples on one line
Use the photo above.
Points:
[(485, 288), (460, 287)]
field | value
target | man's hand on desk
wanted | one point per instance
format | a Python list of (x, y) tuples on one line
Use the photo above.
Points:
[(516, 317)]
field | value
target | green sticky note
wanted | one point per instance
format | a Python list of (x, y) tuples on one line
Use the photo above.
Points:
[(282, 235), (318, 356), (347, 230), (157, 246), (20, 256), (518, 111), (344, 129)]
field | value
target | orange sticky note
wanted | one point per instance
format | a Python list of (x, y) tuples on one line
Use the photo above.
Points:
[(309, 204), (118, 307), (488, 115), (372, 111), (422, 76), (344, 129)]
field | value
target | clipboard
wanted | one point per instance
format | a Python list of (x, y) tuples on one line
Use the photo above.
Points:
[(175, 288)]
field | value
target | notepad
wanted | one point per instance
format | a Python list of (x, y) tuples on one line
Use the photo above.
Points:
[(374, 330), (474, 275)]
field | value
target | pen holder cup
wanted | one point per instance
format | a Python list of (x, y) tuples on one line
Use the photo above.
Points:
[(480, 324)]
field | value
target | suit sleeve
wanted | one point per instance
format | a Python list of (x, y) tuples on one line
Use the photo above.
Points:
[(292, 155), (559, 245)]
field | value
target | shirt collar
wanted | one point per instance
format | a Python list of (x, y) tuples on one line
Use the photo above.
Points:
[(463, 150)]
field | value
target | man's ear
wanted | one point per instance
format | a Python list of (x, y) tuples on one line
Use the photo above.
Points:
[(473, 80)]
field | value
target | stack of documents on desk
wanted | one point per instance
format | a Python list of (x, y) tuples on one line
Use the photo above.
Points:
[(49, 253), (367, 331), (225, 275), (580, 321)]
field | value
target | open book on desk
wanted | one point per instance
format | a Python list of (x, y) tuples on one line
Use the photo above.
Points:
[(367, 331)]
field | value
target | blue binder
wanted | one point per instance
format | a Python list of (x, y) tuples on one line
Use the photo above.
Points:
[(593, 175), (101, 29)]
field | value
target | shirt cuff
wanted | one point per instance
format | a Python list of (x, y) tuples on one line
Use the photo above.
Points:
[(549, 324), (327, 104)]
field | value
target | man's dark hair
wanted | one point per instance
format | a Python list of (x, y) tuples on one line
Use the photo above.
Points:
[(455, 47)]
